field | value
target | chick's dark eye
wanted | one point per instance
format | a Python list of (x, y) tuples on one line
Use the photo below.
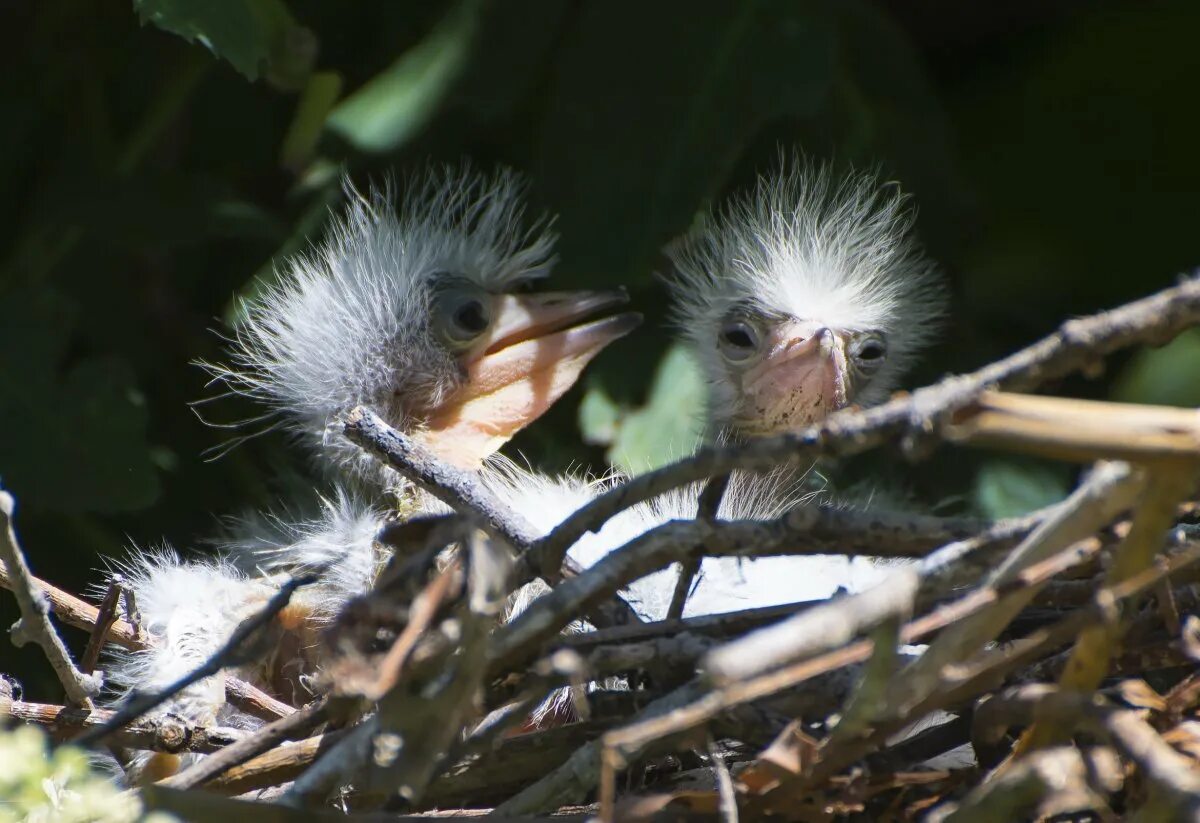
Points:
[(870, 351), (471, 317), (738, 340), (461, 314)]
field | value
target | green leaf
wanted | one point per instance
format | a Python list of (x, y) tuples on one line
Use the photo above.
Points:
[(82, 444), (667, 428), (256, 37), (395, 105), (1169, 376), (1012, 487)]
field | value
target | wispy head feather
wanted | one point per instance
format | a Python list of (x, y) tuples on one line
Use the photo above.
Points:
[(348, 323), (805, 243)]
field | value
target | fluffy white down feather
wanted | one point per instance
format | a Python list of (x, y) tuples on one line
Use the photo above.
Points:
[(348, 323), (808, 244), (188, 609), (725, 584), (339, 542)]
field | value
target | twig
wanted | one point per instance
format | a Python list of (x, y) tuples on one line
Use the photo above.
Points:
[(160, 734), (232, 649), (251, 745), (1054, 782), (465, 494), (727, 809), (1076, 345), (79, 613), (105, 617), (801, 531), (1089, 662), (34, 625), (706, 509), (456, 488)]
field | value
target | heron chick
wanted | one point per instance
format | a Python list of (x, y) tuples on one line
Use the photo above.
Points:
[(804, 295), (415, 312)]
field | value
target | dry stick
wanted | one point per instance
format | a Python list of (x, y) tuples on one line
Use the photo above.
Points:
[(1111, 489), (161, 734), (78, 613), (34, 625), (1169, 481), (1076, 345), (462, 491), (802, 530), (695, 703), (142, 703), (1170, 773), (1069, 429), (1061, 776), (706, 509), (971, 678), (294, 725), (106, 615)]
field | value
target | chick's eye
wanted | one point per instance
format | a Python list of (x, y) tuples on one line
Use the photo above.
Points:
[(738, 340), (870, 351), (463, 315)]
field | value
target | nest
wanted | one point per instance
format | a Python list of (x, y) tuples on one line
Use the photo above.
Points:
[(1025, 669)]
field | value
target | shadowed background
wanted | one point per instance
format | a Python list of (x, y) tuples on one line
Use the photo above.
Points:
[(156, 160)]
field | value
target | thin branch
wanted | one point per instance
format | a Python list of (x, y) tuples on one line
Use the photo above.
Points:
[(106, 616), (166, 734), (461, 490), (237, 752), (34, 625), (1077, 345)]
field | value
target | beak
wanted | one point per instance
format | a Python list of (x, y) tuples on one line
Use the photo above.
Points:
[(801, 379), (534, 351)]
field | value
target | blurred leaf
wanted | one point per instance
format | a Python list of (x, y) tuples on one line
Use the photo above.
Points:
[(637, 135), (314, 105), (254, 36), (1012, 487), (396, 104), (667, 428), (1168, 376), (599, 417), (82, 443)]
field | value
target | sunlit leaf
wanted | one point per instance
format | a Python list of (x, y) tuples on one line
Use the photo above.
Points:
[(667, 428), (393, 106)]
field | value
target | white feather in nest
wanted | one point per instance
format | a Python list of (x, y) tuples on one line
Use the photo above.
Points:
[(188, 610), (348, 324), (725, 584)]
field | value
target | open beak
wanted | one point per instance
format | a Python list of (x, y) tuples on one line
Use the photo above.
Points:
[(801, 379), (534, 351)]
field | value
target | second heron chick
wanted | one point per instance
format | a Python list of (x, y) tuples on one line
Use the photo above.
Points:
[(802, 296)]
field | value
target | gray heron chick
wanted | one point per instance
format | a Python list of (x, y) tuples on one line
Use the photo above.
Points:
[(802, 296), (418, 311)]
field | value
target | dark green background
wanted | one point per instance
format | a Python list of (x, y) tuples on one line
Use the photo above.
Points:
[(147, 179)]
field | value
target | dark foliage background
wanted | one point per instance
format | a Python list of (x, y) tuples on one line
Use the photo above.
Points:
[(156, 160)]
